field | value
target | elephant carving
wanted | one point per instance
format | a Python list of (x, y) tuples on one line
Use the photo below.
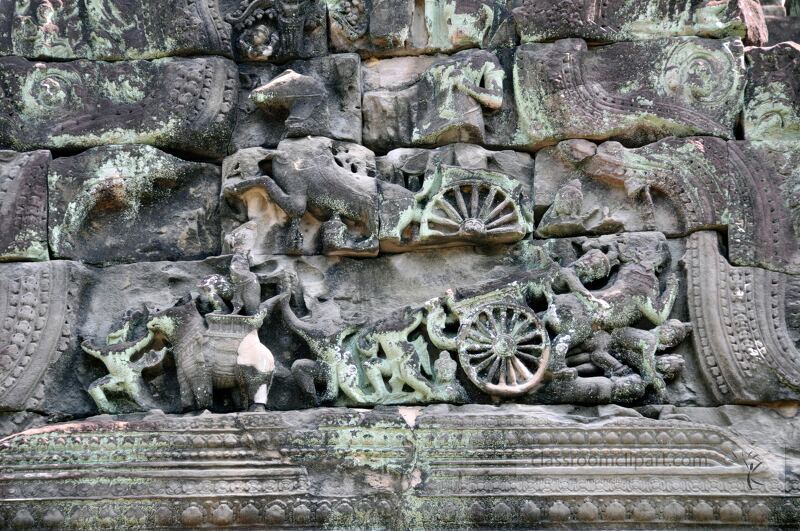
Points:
[(217, 351)]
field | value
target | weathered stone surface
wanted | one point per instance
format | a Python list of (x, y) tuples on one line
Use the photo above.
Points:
[(445, 102), (631, 91), (111, 31), (384, 28), (746, 326), (679, 186), (279, 30), (49, 308), (407, 166), (132, 203), (432, 467), (23, 205), (40, 305), (782, 29), (315, 195), (482, 252), (623, 20), (182, 104), (315, 97), (772, 98)]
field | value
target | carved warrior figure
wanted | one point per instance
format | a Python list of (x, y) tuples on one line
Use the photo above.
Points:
[(635, 294), (124, 373), (219, 350), (598, 354)]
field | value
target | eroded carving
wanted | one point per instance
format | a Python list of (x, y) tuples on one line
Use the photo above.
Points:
[(444, 103), (181, 104), (404, 27), (565, 90), (277, 30), (127, 203), (683, 185), (23, 205), (617, 20), (111, 31), (315, 97)]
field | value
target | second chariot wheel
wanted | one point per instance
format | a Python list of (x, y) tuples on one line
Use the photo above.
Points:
[(473, 209), (504, 349)]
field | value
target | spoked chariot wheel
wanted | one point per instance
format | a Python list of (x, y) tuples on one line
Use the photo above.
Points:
[(504, 349), (473, 208)]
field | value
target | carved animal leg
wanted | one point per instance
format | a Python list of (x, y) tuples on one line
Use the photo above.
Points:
[(601, 357), (639, 351), (347, 376), (140, 394), (187, 395), (375, 369), (255, 366), (96, 391), (306, 373)]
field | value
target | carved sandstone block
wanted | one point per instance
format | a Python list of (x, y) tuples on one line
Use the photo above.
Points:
[(181, 104), (678, 186), (112, 30), (696, 468), (783, 29), (772, 97), (129, 203), (310, 195), (384, 28), (436, 103), (746, 326), (23, 205), (676, 87), (621, 20), (314, 97), (420, 204), (279, 30), (39, 304)]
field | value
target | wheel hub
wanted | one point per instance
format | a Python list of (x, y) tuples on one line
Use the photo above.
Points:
[(473, 226), (505, 346)]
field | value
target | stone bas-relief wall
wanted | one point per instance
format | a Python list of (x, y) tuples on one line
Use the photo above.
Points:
[(407, 264)]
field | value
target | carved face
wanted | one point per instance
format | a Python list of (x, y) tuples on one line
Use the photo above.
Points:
[(592, 266), (162, 324)]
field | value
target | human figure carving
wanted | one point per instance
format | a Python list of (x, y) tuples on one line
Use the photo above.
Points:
[(246, 288), (635, 294), (125, 361), (403, 357), (335, 366)]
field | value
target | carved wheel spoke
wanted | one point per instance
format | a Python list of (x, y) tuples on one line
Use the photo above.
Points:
[(472, 208), (504, 349)]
